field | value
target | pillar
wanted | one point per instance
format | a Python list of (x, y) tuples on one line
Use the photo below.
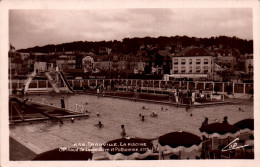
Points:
[(88, 82), (187, 85), (159, 84), (73, 83), (18, 83), (196, 85), (223, 87), (204, 85), (244, 88), (96, 82), (37, 84), (213, 86), (46, 83), (233, 88), (103, 82)]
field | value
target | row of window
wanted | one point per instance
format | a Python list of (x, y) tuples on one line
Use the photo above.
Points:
[(197, 69), (183, 61)]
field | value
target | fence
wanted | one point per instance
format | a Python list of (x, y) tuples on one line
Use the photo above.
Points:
[(225, 87)]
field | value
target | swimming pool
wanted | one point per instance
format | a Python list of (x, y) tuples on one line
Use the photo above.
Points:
[(115, 112)]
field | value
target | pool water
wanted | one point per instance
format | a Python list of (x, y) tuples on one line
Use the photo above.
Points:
[(115, 112)]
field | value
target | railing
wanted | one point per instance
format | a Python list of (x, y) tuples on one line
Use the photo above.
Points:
[(245, 88)]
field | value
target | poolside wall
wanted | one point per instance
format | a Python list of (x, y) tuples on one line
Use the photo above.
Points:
[(236, 89)]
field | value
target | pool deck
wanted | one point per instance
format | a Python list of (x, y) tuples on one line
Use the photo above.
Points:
[(156, 99), (33, 111)]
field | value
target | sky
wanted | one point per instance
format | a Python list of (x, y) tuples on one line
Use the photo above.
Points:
[(39, 27)]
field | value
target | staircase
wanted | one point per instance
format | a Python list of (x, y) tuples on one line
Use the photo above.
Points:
[(52, 82), (29, 80)]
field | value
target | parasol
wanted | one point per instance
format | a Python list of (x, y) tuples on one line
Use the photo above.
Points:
[(245, 125), (179, 141), (220, 130)]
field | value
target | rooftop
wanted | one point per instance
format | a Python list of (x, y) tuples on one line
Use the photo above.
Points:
[(191, 52)]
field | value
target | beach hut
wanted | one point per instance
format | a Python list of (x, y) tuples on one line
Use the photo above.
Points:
[(128, 148), (176, 142), (69, 154)]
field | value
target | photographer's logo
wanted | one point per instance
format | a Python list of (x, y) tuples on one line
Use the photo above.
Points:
[(233, 145)]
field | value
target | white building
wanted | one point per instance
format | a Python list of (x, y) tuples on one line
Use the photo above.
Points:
[(40, 66), (195, 61), (24, 55), (249, 64)]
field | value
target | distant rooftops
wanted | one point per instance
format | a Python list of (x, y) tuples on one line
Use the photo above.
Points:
[(190, 52)]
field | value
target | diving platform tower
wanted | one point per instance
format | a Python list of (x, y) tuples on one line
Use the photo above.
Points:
[(57, 80)]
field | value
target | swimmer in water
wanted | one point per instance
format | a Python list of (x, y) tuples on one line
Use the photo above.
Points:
[(225, 120), (142, 118), (98, 114), (123, 130), (72, 120), (154, 114), (100, 125)]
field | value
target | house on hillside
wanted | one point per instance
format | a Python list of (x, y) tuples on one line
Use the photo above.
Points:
[(15, 62)]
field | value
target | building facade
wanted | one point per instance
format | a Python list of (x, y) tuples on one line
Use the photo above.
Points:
[(193, 61)]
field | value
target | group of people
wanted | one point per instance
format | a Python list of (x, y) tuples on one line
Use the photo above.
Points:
[(22, 92), (123, 133), (205, 122), (178, 96)]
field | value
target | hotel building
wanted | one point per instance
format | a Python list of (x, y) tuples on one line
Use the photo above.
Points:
[(192, 63)]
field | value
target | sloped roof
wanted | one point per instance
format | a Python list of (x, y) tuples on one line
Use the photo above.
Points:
[(190, 52)]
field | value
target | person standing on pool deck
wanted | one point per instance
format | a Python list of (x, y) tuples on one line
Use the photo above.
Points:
[(177, 99), (98, 92), (62, 102), (22, 91), (193, 97)]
